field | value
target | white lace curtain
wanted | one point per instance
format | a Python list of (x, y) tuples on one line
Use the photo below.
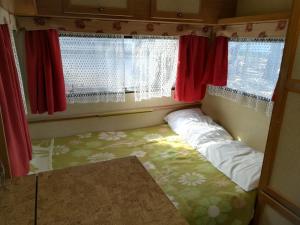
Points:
[(154, 66), (94, 68), (253, 71), (101, 68)]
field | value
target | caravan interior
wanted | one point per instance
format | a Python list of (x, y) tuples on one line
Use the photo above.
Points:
[(150, 112)]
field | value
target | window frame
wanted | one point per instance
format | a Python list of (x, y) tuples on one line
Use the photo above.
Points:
[(246, 94), (89, 35)]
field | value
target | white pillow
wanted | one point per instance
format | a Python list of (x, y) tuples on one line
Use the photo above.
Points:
[(237, 161), (196, 128)]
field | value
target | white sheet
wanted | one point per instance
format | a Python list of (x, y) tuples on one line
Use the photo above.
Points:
[(195, 128), (237, 161)]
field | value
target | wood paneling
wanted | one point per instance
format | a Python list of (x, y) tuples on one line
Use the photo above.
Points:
[(208, 11), (111, 8), (177, 9), (253, 19), (270, 212), (25, 7), (49, 8), (8, 5), (286, 166), (17, 201), (280, 173)]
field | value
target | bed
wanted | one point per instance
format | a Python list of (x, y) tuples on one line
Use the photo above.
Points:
[(200, 192)]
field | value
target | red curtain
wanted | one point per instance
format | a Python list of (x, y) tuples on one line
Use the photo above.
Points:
[(199, 65), (45, 79), (191, 68), (12, 109), (217, 64)]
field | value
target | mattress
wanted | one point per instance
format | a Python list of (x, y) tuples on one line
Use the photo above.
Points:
[(198, 190)]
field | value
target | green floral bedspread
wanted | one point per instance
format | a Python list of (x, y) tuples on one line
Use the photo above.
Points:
[(200, 192)]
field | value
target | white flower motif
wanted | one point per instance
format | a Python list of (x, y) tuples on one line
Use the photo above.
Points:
[(101, 157), (112, 136), (191, 179), (184, 152), (165, 155), (213, 211), (149, 166), (173, 200), (60, 149), (139, 154), (75, 142), (222, 182), (152, 137), (87, 135), (173, 138)]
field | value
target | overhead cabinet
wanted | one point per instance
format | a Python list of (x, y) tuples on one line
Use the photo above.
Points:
[(99, 7), (150, 10), (176, 9)]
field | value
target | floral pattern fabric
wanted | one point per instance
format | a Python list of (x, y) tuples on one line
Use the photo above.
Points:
[(199, 191)]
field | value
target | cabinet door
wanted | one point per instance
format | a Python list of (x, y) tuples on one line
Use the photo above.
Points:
[(99, 7), (176, 9), (281, 170), (272, 213)]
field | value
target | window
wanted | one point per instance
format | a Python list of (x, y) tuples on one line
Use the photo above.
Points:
[(254, 66), (102, 68)]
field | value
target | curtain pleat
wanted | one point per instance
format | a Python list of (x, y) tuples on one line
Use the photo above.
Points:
[(45, 79), (200, 64), (192, 58), (217, 63), (12, 109)]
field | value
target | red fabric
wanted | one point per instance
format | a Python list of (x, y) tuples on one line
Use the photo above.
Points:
[(12, 109), (191, 68), (217, 64), (45, 79)]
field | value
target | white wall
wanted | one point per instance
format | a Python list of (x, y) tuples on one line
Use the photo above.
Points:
[(145, 113), (245, 124)]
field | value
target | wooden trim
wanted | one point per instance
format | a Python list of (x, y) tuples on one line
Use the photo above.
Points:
[(8, 5), (263, 200), (277, 117), (285, 85), (110, 114), (4, 158), (293, 86), (282, 200), (255, 19), (26, 8)]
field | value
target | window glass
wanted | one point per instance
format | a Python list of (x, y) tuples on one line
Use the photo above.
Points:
[(94, 65), (254, 66)]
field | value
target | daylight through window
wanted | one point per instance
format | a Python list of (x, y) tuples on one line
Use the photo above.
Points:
[(103, 68)]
